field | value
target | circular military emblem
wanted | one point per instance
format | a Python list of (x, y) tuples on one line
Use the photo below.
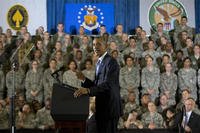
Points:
[(17, 17), (168, 12)]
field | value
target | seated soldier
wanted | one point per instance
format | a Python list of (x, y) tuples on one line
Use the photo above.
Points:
[(25, 118), (152, 119), (44, 119), (4, 116)]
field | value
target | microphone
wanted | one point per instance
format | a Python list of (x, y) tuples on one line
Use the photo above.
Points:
[(56, 72)]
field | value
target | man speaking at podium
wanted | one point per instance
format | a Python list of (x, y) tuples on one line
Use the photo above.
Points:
[(105, 87)]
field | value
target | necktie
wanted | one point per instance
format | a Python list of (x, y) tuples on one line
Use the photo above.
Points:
[(97, 66)]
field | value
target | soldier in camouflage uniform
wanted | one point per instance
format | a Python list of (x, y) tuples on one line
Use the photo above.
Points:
[(188, 50), (150, 79), (187, 78), (17, 76), (196, 58), (33, 84), (2, 84), (69, 76), (143, 40), (159, 33), (4, 117), (129, 79), (85, 47), (131, 104), (59, 59), (132, 121), (132, 49), (26, 118), (44, 119), (118, 36), (151, 51), (59, 36), (183, 27), (89, 71), (152, 119), (48, 80), (168, 84), (178, 63), (197, 39)]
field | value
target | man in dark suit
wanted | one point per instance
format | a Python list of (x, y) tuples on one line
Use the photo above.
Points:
[(187, 121), (106, 89)]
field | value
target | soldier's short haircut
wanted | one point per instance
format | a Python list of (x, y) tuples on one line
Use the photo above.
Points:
[(159, 23), (184, 17), (187, 58), (187, 90), (166, 55)]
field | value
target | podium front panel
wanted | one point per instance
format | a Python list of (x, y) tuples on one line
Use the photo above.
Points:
[(66, 107)]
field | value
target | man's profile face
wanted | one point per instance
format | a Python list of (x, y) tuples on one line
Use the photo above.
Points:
[(99, 48), (189, 105)]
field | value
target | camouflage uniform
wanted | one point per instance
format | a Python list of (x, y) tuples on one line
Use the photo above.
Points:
[(156, 36), (19, 82), (153, 54), (129, 81), (168, 83), (179, 29), (33, 82), (70, 78), (4, 119), (48, 82), (187, 51), (156, 119), (56, 38), (90, 74), (135, 53), (44, 119), (150, 80), (197, 39), (2, 84), (188, 79), (26, 121), (130, 106), (195, 62)]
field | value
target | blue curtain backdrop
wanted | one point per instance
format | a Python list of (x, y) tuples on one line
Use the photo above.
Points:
[(197, 15), (126, 12)]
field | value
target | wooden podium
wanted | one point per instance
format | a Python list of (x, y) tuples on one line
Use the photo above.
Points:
[(69, 113)]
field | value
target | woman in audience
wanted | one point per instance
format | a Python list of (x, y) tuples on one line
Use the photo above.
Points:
[(152, 119), (187, 78), (69, 76), (150, 79)]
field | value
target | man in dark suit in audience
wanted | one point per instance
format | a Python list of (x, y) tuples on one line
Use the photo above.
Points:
[(187, 121), (106, 89)]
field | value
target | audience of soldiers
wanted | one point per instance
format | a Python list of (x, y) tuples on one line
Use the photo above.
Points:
[(157, 72)]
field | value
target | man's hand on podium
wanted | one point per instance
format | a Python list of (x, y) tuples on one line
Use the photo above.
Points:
[(81, 91), (80, 76)]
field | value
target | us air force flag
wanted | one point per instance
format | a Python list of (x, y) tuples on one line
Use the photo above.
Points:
[(90, 16)]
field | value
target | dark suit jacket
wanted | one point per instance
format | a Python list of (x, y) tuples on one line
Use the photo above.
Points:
[(106, 89), (193, 123)]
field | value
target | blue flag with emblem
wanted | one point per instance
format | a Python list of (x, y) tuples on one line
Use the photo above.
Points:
[(90, 16)]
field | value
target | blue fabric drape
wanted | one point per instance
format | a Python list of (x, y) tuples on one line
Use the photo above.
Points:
[(55, 14), (126, 12), (197, 15)]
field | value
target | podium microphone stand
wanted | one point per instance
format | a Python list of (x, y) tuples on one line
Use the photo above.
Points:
[(12, 102)]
